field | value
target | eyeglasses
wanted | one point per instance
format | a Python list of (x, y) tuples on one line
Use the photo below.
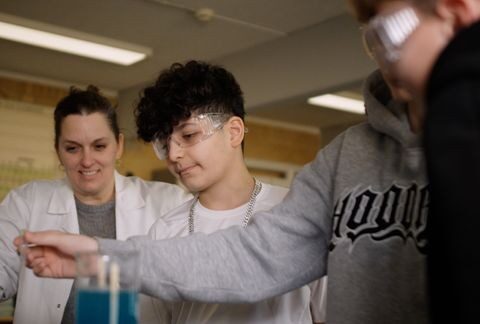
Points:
[(195, 130), (384, 35)]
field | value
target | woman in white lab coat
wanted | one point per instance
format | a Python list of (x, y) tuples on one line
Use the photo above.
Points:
[(93, 199)]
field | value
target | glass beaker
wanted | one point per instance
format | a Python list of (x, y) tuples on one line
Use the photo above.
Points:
[(103, 294)]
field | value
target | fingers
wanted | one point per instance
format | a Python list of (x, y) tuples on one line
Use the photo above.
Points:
[(39, 267), (50, 262), (42, 262), (48, 238), (19, 240), (31, 255), (39, 238), (69, 244)]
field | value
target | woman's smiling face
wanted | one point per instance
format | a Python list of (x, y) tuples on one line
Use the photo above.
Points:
[(88, 150)]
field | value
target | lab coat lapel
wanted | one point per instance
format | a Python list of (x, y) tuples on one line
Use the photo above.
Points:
[(62, 204), (129, 207)]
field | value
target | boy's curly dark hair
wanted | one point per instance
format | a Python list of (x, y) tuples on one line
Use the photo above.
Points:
[(183, 89)]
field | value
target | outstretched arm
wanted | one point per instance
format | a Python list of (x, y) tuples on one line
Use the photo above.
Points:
[(51, 253), (281, 250)]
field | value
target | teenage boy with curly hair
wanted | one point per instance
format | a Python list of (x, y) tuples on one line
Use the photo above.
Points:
[(194, 116)]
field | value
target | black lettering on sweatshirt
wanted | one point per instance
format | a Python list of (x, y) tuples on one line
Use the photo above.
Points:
[(399, 211)]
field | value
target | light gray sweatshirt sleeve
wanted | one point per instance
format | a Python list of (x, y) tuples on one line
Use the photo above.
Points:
[(279, 251)]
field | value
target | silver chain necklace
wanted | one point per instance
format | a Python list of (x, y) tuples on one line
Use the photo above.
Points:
[(248, 214)]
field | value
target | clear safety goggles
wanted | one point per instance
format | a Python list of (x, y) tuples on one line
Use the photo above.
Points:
[(385, 35), (195, 130)]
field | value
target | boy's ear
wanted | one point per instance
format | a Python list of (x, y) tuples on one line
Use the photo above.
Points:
[(462, 12), (236, 129)]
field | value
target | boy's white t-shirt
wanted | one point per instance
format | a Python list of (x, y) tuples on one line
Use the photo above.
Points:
[(292, 307)]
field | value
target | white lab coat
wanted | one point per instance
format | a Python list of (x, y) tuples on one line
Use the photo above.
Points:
[(45, 205)]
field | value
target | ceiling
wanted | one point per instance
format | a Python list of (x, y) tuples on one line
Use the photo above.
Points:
[(281, 51)]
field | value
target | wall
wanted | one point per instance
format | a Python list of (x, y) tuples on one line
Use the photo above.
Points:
[(30, 92), (329, 133), (26, 133)]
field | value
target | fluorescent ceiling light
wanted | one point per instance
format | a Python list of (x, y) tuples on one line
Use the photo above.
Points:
[(338, 102), (69, 41)]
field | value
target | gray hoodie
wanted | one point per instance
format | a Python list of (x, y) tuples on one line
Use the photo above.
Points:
[(357, 212)]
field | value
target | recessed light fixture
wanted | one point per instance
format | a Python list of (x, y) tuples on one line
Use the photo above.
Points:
[(338, 102), (69, 41)]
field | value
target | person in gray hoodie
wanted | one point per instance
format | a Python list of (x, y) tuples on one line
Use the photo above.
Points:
[(357, 213)]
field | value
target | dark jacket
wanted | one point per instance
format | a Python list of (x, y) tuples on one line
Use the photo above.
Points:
[(452, 143)]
